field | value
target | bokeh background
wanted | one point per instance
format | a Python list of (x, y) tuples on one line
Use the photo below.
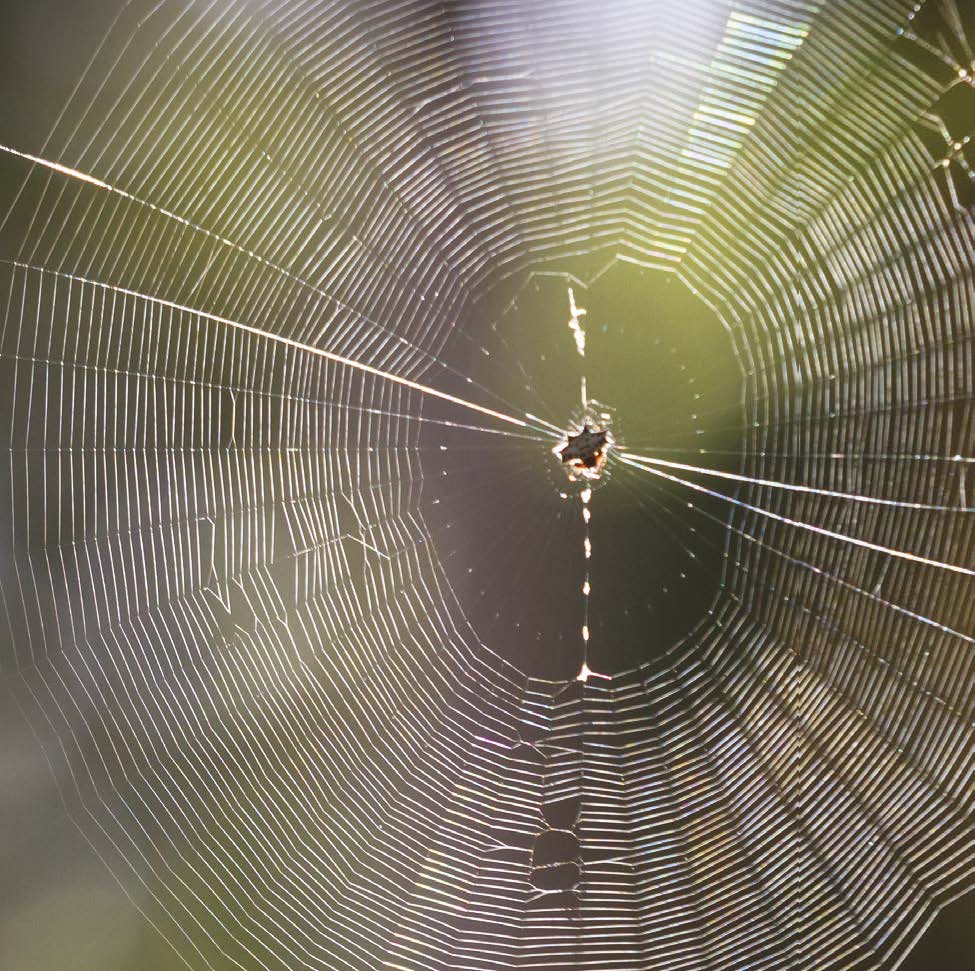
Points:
[(659, 356)]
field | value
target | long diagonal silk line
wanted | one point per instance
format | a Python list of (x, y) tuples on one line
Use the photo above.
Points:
[(791, 486), (820, 530), (296, 345)]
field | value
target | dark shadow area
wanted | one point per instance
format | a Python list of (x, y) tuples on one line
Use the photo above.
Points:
[(949, 943), (506, 520), (45, 46)]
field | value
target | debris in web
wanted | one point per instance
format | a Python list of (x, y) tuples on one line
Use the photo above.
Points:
[(577, 331)]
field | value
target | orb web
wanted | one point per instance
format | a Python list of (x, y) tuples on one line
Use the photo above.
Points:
[(233, 626)]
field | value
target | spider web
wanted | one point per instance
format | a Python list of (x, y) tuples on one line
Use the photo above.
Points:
[(231, 277)]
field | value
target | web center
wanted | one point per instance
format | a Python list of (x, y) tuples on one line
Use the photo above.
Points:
[(583, 451)]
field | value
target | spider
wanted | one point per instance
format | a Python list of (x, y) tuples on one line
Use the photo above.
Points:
[(584, 454)]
